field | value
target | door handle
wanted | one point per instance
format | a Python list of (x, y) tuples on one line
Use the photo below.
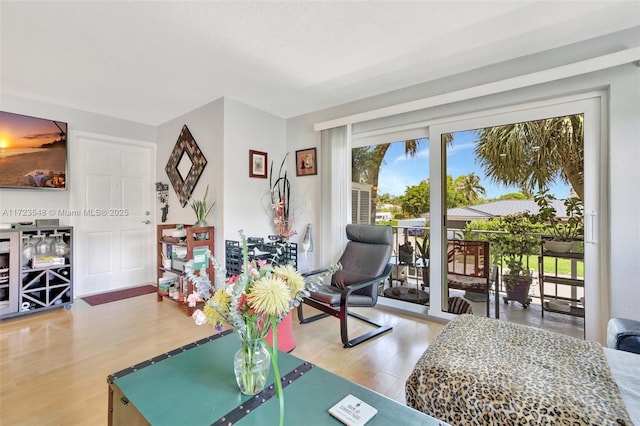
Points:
[(146, 222), (590, 228)]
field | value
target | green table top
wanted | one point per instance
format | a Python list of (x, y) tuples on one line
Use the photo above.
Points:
[(195, 385)]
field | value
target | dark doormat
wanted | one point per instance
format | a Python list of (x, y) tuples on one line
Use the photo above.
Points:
[(112, 296)]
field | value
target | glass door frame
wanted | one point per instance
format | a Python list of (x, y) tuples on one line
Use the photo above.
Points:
[(593, 106)]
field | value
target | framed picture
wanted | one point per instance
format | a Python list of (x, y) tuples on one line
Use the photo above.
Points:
[(306, 164), (257, 164)]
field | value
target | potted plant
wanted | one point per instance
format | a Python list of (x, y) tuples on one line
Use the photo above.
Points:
[(422, 249), (405, 253), (400, 270), (564, 232), (514, 245), (179, 232), (202, 209)]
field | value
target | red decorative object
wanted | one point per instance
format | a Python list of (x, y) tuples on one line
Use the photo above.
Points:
[(286, 339)]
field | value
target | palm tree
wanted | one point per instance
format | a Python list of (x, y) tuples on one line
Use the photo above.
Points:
[(469, 186), (534, 154), (366, 162)]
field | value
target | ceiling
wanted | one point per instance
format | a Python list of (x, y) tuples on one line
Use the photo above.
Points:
[(151, 61)]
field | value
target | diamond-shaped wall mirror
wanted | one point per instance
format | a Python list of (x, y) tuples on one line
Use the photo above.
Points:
[(184, 165), (187, 160)]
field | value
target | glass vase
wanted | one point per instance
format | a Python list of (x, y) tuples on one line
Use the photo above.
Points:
[(251, 366)]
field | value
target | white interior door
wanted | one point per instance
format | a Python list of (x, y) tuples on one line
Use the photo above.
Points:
[(112, 198)]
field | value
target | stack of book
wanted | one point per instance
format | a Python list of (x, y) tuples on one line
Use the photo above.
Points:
[(41, 261)]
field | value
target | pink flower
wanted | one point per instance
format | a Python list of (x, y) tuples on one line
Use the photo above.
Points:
[(199, 317), (242, 301)]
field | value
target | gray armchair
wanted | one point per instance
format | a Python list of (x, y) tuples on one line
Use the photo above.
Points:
[(365, 264)]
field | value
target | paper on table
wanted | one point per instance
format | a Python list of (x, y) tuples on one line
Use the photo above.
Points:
[(352, 411)]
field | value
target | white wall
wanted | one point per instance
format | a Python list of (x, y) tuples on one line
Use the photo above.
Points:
[(623, 87), (306, 189), (624, 195), (78, 121), (247, 200), (206, 125), (225, 130)]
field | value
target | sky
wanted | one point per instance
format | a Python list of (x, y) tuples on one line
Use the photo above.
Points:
[(398, 172)]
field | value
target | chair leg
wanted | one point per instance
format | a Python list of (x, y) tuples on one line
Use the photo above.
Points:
[(381, 328), (304, 320), (342, 314)]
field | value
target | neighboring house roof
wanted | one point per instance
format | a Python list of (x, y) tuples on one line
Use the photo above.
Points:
[(500, 208), (467, 213)]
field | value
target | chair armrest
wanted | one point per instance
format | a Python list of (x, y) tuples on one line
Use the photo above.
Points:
[(315, 272), (353, 287)]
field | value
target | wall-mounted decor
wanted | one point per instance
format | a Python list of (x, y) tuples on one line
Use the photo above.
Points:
[(280, 190), (185, 165), (162, 190), (306, 163), (33, 152), (257, 164)]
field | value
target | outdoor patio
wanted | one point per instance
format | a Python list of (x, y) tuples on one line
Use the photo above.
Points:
[(411, 289)]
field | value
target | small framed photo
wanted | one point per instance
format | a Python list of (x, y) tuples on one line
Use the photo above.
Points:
[(257, 164), (306, 163)]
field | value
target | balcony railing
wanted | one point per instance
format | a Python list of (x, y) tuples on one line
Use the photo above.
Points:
[(415, 264)]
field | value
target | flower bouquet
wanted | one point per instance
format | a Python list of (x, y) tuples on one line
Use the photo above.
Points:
[(280, 191), (251, 303)]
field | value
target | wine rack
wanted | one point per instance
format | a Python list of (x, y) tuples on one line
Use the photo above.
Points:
[(41, 275)]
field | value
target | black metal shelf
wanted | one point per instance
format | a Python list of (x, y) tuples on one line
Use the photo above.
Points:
[(258, 249), (575, 311), (568, 255), (553, 279)]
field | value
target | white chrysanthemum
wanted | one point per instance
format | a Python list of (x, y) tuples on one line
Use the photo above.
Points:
[(269, 296), (292, 277)]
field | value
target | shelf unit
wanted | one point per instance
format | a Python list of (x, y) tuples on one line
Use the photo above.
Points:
[(38, 278), (172, 282), (550, 280), (9, 272), (258, 249)]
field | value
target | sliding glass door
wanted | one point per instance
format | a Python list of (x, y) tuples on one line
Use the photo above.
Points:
[(452, 165)]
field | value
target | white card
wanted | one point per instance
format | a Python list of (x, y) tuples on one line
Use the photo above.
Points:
[(352, 411)]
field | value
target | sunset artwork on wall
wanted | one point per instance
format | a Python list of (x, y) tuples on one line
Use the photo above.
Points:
[(33, 152)]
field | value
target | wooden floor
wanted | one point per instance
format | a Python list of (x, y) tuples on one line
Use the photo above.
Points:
[(54, 365)]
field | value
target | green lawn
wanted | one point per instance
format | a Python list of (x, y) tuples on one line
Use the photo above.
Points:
[(564, 265)]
